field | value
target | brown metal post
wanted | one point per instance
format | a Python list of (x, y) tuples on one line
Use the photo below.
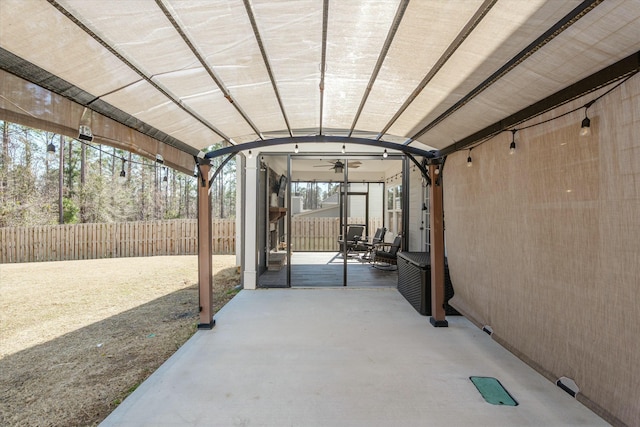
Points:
[(436, 221), (205, 269)]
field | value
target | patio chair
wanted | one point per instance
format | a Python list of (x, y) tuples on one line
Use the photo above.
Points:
[(354, 235), (367, 247), (383, 257)]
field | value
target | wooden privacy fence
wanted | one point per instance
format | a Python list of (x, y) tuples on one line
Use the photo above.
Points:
[(152, 238), (111, 240), (321, 234)]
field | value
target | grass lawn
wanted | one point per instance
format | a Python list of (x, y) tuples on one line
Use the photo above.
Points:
[(76, 337)]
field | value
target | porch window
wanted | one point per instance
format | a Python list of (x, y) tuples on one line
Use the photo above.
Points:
[(394, 209)]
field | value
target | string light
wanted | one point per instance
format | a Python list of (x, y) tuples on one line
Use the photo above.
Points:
[(344, 149), (512, 146), (51, 151), (296, 149), (250, 155), (385, 154), (585, 127), (123, 174)]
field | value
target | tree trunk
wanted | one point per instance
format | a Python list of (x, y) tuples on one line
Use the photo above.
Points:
[(27, 149), (4, 165), (129, 169), (186, 196), (142, 190), (61, 182), (83, 172), (221, 195), (113, 162), (70, 169)]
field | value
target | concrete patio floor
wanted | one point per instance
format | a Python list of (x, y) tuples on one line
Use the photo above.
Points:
[(340, 357)]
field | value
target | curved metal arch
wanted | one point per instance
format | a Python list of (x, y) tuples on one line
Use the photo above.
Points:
[(405, 149)]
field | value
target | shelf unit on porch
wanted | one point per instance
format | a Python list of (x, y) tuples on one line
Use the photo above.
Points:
[(275, 213)]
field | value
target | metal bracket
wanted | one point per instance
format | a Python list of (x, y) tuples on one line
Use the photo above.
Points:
[(203, 181)]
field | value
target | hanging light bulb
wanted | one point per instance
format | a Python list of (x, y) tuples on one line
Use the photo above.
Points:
[(166, 173), (51, 151), (385, 154), (296, 149), (123, 174), (512, 146), (585, 128), (344, 149), (469, 161), (250, 155)]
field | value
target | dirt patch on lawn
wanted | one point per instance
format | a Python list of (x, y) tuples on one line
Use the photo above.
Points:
[(76, 337)]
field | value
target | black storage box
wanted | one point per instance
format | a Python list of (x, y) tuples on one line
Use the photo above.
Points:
[(414, 282)]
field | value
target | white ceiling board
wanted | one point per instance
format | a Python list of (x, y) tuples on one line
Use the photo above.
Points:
[(37, 32)]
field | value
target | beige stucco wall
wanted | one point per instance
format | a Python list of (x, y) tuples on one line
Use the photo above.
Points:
[(544, 246)]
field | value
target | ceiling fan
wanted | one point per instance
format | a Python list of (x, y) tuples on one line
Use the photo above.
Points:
[(338, 165)]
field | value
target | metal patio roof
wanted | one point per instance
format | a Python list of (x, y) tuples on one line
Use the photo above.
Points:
[(425, 72)]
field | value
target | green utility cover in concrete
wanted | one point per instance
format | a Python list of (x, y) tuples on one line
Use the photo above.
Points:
[(492, 391)]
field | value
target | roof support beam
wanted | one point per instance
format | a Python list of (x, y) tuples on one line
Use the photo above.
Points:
[(621, 69), (436, 225), (320, 139), (323, 60), (205, 266), (265, 58), (402, 7)]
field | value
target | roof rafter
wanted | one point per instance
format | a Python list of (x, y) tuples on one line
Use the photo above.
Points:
[(323, 61), (267, 64), (402, 7)]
